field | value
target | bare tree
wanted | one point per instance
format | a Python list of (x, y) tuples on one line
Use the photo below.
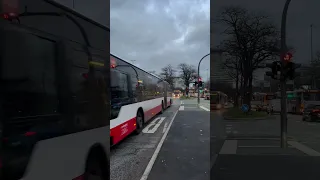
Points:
[(187, 74), (168, 74), (251, 38)]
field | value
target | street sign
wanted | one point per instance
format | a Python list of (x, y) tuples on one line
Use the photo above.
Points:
[(245, 108)]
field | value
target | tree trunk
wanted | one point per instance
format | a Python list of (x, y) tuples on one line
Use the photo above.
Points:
[(236, 102)]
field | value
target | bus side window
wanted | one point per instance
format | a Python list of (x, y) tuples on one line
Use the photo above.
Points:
[(119, 92), (29, 92)]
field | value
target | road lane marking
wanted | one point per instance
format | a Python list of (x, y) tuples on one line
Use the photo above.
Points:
[(303, 148), (165, 127), (259, 146), (155, 125), (156, 152), (181, 102), (181, 108), (229, 147), (204, 108)]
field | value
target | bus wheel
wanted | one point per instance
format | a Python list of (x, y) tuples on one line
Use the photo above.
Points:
[(162, 108), (139, 122), (96, 168)]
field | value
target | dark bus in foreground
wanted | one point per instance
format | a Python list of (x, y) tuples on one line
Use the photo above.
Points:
[(54, 100)]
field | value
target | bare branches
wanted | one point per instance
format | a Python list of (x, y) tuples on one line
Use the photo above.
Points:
[(187, 73), (168, 74)]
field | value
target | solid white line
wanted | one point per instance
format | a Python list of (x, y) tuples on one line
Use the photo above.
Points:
[(165, 127), (156, 152), (229, 147), (181, 108), (204, 108), (304, 148)]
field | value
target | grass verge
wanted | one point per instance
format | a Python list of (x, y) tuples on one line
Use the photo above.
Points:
[(237, 113)]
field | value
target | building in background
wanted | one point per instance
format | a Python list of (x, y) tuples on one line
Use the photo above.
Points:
[(217, 72)]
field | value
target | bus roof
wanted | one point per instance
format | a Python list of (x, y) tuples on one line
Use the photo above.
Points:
[(54, 3), (138, 68)]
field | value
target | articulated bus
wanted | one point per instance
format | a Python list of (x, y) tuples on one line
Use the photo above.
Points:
[(136, 97), (218, 100), (297, 100), (55, 100)]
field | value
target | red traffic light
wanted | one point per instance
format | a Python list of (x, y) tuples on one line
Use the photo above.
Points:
[(199, 79), (287, 57)]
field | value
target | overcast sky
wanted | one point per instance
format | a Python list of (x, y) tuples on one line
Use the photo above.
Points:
[(160, 32), (156, 33), (301, 14)]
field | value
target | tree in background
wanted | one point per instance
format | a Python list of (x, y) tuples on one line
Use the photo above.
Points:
[(187, 74), (250, 39), (168, 74)]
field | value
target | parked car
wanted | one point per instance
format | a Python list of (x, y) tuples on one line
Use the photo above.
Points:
[(311, 113)]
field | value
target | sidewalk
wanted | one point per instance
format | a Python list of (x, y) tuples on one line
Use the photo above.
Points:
[(263, 159)]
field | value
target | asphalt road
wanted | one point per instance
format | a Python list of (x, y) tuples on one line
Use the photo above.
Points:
[(130, 157), (252, 151), (183, 154)]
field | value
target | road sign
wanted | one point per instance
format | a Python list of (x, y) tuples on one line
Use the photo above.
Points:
[(245, 108)]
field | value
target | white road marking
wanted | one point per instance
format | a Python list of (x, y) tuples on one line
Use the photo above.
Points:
[(181, 108), (165, 127), (204, 108), (154, 124), (304, 148), (181, 102), (156, 152), (229, 125), (258, 146), (229, 147), (228, 128)]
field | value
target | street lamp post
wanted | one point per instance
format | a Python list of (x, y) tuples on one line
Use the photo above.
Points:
[(199, 77)]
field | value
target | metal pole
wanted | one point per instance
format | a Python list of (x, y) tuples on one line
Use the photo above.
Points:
[(311, 43), (282, 78), (199, 76)]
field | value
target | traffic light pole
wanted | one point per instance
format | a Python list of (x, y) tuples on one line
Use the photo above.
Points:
[(284, 120), (198, 79), (283, 78)]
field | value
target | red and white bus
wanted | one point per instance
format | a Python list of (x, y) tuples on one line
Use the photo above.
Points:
[(136, 97), (54, 97)]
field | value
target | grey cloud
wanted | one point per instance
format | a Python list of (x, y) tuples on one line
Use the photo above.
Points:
[(154, 33)]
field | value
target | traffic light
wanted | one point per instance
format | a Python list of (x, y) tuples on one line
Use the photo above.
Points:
[(195, 83), (200, 82), (290, 70), (275, 68)]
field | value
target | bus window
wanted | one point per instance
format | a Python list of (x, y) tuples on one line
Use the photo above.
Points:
[(119, 92)]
